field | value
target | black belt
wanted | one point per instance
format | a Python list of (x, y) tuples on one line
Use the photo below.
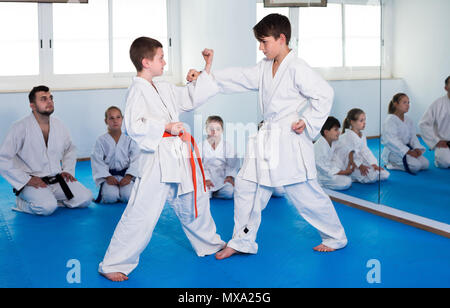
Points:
[(50, 180), (113, 172), (405, 163), (448, 144)]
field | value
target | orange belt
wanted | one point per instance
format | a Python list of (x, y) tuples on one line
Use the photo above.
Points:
[(186, 137)]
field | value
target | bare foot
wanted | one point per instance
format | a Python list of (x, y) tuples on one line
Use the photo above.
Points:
[(117, 277), (225, 253), (323, 248)]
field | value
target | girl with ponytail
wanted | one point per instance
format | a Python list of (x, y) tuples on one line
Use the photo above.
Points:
[(402, 149), (353, 140)]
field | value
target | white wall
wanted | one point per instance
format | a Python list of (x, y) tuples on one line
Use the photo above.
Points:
[(226, 26), (421, 50)]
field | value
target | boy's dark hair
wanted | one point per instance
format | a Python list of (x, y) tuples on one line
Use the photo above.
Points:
[(273, 25), (112, 108), (447, 80), (143, 48), (329, 124), (214, 118), (32, 95)]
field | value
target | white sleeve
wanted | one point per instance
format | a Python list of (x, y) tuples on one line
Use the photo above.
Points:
[(391, 140), (69, 159), (8, 150), (238, 79), (147, 131), (195, 93), (100, 170), (320, 94), (414, 142), (133, 153), (427, 127)]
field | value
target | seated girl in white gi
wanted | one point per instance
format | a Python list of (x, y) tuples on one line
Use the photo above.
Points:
[(114, 161), (353, 139), (402, 149), (331, 171), (219, 160), (435, 127), (38, 159)]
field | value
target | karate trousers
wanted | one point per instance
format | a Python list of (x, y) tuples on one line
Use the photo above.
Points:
[(336, 182), (45, 201), (312, 203), (114, 193), (415, 164), (442, 157), (135, 228)]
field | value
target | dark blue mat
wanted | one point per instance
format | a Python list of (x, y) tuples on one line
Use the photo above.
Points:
[(34, 251)]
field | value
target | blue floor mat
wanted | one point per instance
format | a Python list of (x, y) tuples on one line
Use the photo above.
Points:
[(426, 194), (35, 251)]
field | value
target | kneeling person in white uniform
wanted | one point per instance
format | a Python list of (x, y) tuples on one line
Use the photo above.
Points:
[(435, 127), (219, 160), (38, 159), (114, 161), (331, 171), (402, 149)]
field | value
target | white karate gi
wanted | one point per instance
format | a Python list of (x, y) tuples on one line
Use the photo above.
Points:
[(109, 155), (396, 135), (164, 174), (24, 154), (218, 164), (329, 164), (278, 156), (350, 141), (435, 126)]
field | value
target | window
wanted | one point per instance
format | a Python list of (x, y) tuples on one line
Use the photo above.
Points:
[(341, 41), (19, 52), (73, 45)]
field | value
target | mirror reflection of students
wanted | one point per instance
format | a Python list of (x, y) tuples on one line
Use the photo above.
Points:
[(402, 149), (332, 173), (435, 127), (353, 139)]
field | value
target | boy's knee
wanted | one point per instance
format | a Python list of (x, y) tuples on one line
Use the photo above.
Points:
[(45, 208)]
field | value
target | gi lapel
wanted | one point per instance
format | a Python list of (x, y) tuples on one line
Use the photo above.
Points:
[(279, 76)]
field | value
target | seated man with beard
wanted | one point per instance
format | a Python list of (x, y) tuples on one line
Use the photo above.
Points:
[(38, 159)]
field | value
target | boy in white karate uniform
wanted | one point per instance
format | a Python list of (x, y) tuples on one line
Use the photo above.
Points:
[(114, 161), (435, 127), (167, 168), (402, 149), (331, 171), (354, 140), (219, 160), (38, 159), (282, 153)]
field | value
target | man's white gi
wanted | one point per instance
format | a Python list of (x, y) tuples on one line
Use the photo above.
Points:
[(435, 126), (24, 154)]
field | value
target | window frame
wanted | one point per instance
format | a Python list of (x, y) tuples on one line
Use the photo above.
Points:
[(110, 80), (355, 72)]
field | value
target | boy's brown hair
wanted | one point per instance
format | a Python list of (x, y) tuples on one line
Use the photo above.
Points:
[(273, 25), (143, 48), (214, 118), (112, 108)]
